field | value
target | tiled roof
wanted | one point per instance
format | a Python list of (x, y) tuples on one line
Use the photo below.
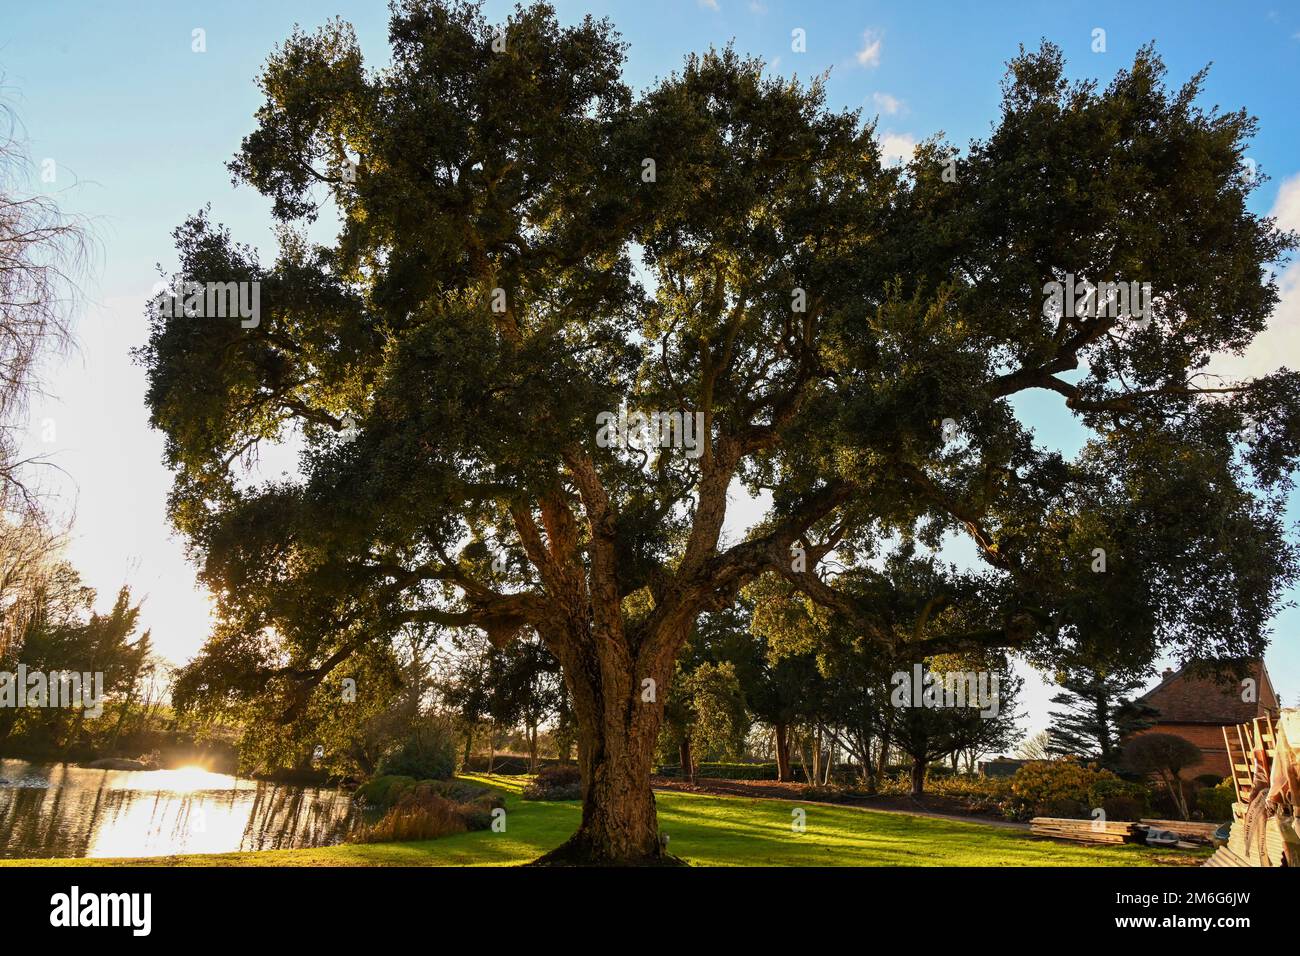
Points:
[(1192, 696)]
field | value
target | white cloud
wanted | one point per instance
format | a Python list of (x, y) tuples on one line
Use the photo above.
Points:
[(897, 146), (1286, 208), (889, 105), (710, 4), (1279, 344), (869, 55)]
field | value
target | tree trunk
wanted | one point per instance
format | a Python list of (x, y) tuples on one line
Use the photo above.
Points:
[(882, 760), (918, 776), (802, 748), (619, 825), (816, 755), (617, 709), (687, 761), (783, 754), (617, 667), (1174, 784)]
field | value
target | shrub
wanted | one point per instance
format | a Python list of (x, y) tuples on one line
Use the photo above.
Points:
[(478, 813), (1055, 788), (1120, 799), (981, 794), (966, 787), (1215, 803), (1123, 807), (428, 754), (726, 771), (559, 782), (558, 776), (430, 809), (721, 770), (457, 790), (426, 820), (1066, 807), (382, 792)]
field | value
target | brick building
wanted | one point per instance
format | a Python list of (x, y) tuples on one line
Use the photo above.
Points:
[(1195, 706)]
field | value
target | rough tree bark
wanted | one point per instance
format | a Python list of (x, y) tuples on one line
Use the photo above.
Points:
[(616, 670), (618, 718)]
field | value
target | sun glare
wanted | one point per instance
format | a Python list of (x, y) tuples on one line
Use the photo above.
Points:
[(190, 778)]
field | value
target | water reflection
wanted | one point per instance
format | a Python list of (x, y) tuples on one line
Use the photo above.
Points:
[(58, 810)]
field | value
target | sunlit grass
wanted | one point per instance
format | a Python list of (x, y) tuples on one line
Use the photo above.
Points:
[(497, 781), (705, 831)]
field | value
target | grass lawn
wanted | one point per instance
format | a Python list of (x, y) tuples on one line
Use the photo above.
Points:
[(708, 831)]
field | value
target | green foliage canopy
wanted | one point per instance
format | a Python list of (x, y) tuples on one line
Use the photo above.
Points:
[(506, 270)]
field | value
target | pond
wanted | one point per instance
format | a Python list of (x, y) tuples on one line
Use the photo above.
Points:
[(61, 810)]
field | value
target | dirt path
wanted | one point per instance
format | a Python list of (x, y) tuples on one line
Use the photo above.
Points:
[(936, 808)]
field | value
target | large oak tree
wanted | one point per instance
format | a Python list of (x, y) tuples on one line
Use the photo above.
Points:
[(525, 243)]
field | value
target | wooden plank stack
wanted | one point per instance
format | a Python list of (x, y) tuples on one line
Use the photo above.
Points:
[(1191, 830), (1087, 831)]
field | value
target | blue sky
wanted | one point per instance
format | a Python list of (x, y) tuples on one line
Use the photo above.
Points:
[(139, 127)]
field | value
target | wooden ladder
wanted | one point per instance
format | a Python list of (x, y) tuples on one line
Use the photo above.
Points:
[(1241, 742), (1239, 762)]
